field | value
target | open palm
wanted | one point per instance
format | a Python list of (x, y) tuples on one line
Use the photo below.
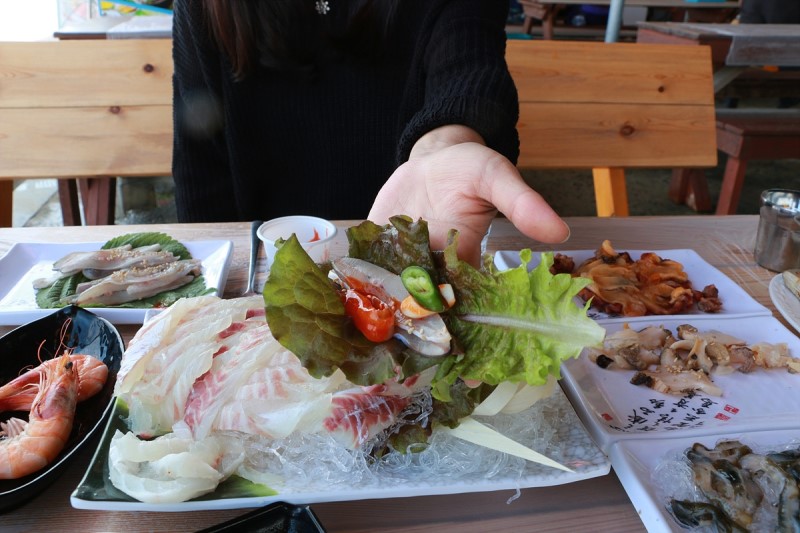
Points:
[(463, 186)]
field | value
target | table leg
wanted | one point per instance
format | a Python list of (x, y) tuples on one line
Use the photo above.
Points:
[(725, 75), (688, 186), (70, 203), (611, 194), (6, 203), (548, 20), (99, 200)]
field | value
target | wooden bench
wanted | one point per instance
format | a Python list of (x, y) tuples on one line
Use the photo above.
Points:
[(608, 107), (92, 110), (99, 109), (744, 135)]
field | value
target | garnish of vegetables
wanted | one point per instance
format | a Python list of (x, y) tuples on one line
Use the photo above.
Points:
[(516, 325), (420, 286), (373, 317)]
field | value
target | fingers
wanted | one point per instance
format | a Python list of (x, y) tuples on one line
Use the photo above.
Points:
[(523, 206)]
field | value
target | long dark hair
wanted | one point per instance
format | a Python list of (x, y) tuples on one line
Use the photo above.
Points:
[(291, 34)]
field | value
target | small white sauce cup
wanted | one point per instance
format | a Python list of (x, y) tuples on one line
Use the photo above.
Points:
[(315, 235)]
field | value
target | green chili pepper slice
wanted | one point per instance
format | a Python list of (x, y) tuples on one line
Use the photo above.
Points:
[(420, 286)]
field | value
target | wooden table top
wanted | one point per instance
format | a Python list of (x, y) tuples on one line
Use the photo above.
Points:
[(599, 504), (739, 45)]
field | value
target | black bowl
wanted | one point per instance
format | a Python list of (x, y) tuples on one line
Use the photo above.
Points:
[(23, 347)]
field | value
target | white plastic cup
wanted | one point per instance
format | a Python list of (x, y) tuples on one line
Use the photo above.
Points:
[(315, 235)]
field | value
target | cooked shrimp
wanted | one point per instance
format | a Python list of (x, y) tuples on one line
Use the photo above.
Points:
[(19, 393), (26, 447)]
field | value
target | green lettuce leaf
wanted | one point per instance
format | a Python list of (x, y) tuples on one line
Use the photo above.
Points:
[(513, 325), (307, 316), (393, 246)]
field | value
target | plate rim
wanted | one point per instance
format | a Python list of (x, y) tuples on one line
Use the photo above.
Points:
[(115, 315), (319, 496), (779, 293)]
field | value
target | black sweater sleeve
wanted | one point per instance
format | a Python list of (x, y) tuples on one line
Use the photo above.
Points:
[(466, 79)]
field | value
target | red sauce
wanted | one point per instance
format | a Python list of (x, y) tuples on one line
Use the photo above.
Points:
[(315, 237)]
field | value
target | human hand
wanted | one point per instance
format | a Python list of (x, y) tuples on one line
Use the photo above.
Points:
[(463, 186)]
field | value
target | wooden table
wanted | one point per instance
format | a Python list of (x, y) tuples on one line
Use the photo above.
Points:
[(123, 27), (739, 52), (734, 47), (546, 10), (598, 504)]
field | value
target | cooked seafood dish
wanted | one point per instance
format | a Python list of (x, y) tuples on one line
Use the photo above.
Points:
[(685, 361), (143, 269), (650, 285), (737, 489), (352, 353)]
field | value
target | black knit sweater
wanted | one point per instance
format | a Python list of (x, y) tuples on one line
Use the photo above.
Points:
[(276, 144)]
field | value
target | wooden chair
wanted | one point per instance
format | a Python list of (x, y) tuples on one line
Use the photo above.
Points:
[(611, 106), (92, 110)]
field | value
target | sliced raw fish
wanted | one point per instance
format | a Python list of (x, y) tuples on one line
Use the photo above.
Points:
[(137, 283), (170, 468), (356, 415), (158, 381), (113, 259), (208, 374)]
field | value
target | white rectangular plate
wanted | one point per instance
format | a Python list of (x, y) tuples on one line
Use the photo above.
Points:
[(735, 300), (26, 262), (613, 409), (639, 465), (570, 445)]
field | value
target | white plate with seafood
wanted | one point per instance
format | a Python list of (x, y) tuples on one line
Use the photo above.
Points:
[(26, 262), (613, 409), (785, 301), (735, 300), (558, 430), (654, 472)]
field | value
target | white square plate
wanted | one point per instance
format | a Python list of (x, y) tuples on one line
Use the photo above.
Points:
[(613, 409), (26, 262), (639, 465), (735, 300)]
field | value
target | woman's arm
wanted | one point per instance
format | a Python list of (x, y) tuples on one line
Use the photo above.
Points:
[(458, 151)]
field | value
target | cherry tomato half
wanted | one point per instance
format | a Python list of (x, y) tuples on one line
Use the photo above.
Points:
[(371, 316)]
